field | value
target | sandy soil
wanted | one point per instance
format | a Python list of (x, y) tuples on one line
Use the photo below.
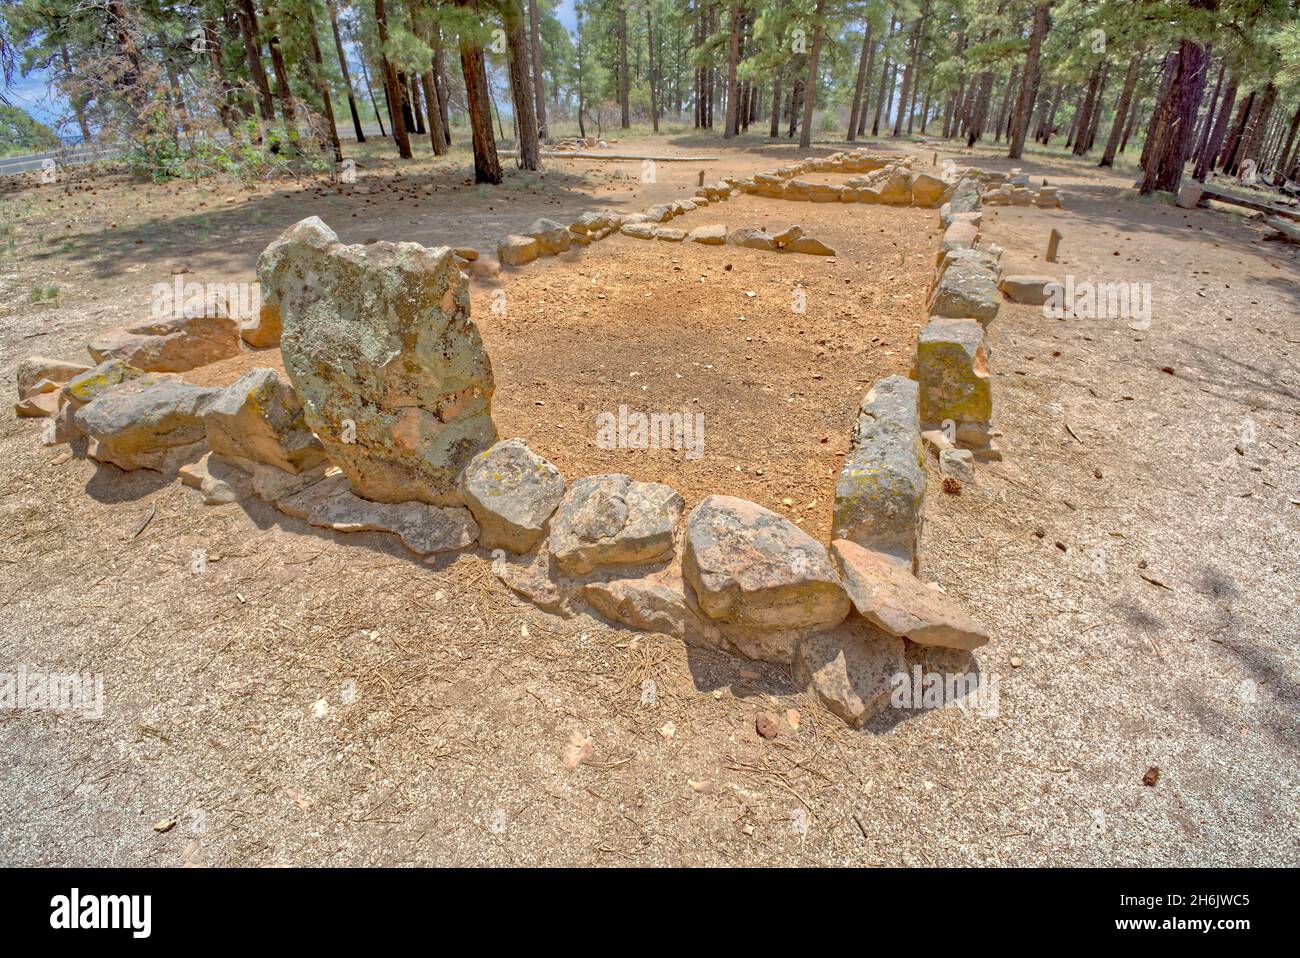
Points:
[(1142, 574)]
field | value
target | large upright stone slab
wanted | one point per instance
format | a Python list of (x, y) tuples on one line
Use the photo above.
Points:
[(880, 495), (952, 371), (392, 374)]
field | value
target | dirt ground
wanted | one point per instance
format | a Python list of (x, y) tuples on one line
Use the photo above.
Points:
[(1134, 553)]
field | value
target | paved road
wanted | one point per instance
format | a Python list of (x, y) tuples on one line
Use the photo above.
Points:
[(74, 156)]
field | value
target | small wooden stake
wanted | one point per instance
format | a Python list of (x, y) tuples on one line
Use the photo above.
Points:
[(701, 180), (1053, 241)]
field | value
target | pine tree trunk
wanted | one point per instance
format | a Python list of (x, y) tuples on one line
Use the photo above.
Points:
[(391, 92), (332, 7), (733, 55), (1232, 149), (861, 83), (1090, 104), (909, 71), (1207, 124), (1164, 170), (1158, 107), (810, 98), (1209, 157), (247, 15), (625, 111), (884, 78), (331, 129), (1254, 138), (521, 91), (1024, 108), (283, 92), (654, 78), (1121, 110), (539, 89), (775, 129), (1285, 152), (487, 165)]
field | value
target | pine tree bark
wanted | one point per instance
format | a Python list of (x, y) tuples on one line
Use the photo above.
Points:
[(393, 94), (247, 15), (1254, 138), (1164, 171), (775, 130), (1024, 109), (283, 92), (909, 71), (810, 88), (733, 55), (521, 91), (487, 165), (652, 68), (1232, 149)]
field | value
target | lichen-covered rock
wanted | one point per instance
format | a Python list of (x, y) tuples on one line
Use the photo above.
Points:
[(147, 424), (748, 566), (966, 290), (424, 529), (38, 374), (613, 520), (952, 371), (260, 418), (389, 366), (552, 237), (516, 250), (891, 598), (512, 493), (852, 669), (880, 494), (928, 191), (171, 345)]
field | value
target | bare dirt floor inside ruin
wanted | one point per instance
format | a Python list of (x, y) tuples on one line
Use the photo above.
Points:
[(1134, 555)]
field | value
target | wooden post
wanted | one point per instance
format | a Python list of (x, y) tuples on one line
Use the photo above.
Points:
[(1053, 241)]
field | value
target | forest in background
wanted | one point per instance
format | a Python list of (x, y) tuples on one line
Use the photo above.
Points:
[(251, 87)]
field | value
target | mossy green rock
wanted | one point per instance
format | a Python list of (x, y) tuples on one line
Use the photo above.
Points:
[(391, 371), (952, 370), (880, 494)]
